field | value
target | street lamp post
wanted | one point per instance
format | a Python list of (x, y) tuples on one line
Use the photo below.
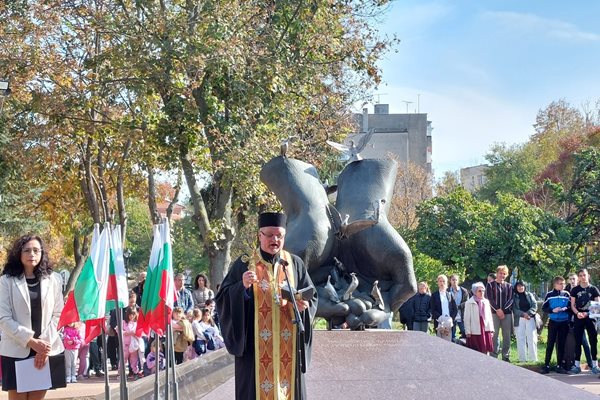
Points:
[(126, 256)]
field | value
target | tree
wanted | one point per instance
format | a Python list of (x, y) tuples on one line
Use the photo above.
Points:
[(450, 228), (186, 254), (233, 76), (511, 169), (77, 134), (463, 232), (413, 186), (449, 182), (554, 123), (582, 198)]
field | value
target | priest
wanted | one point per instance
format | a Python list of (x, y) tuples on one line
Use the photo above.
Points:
[(259, 324)]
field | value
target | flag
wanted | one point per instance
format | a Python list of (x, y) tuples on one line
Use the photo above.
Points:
[(159, 289), (87, 301), (117, 293)]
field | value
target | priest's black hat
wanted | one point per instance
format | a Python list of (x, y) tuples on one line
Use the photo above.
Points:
[(272, 219)]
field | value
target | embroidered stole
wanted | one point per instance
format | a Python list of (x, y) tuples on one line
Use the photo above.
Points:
[(274, 331)]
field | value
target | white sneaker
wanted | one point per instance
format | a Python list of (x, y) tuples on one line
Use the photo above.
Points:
[(73, 379), (68, 379)]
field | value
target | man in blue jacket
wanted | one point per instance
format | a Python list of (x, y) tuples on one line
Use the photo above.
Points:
[(556, 304)]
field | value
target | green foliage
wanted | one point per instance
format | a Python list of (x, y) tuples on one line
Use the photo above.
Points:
[(187, 253), (428, 269), (582, 198), (17, 217), (512, 169), (138, 235), (463, 232)]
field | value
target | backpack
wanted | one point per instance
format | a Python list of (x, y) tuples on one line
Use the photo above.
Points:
[(187, 332), (210, 340)]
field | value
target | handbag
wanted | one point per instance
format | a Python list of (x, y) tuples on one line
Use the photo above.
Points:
[(199, 346), (134, 345), (210, 340), (539, 323)]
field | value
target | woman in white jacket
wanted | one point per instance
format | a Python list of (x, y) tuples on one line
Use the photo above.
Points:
[(30, 305), (479, 325)]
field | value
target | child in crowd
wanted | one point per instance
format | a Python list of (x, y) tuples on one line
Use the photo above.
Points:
[(72, 341), (131, 343), (556, 305), (183, 335), (199, 343), (211, 331), (150, 364), (82, 354), (210, 304)]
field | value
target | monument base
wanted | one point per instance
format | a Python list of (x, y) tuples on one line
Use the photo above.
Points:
[(396, 365)]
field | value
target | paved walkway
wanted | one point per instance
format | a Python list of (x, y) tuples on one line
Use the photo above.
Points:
[(585, 380), (92, 387), (84, 388)]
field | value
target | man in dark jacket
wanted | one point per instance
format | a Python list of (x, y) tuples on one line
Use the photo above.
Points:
[(421, 308), (407, 313), (556, 305), (500, 295), (442, 305), (460, 295)]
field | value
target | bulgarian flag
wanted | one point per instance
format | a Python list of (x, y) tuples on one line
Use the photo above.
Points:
[(87, 301), (117, 295), (159, 289)]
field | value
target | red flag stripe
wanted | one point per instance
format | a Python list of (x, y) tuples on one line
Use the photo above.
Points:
[(70, 313)]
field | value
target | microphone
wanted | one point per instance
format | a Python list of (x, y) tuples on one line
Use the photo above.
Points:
[(278, 260)]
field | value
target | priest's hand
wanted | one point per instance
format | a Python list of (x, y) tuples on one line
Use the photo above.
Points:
[(248, 278), (302, 305)]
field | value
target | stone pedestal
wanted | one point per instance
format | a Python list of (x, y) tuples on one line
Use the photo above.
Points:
[(396, 365)]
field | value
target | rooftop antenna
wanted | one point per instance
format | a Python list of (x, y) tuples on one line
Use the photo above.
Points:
[(407, 103), (379, 97), (418, 103)]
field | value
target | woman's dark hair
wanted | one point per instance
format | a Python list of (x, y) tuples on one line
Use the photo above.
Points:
[(131, 311), (206, 311), (14, 267), (206, 284)]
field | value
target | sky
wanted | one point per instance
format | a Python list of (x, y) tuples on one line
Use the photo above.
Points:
[(483, 69)]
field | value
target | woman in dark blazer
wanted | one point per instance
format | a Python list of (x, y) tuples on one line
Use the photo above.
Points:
[(31, 301), (438, 310)]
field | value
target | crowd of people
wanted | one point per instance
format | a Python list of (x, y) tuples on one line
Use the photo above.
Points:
[(31, 302), (194, 323), (486, 318)]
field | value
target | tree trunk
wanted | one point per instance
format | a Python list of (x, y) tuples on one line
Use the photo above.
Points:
[(121, 191), (154, 215), (100, 166), (81, 250), (86, 181), (175, 198), (216, 239)]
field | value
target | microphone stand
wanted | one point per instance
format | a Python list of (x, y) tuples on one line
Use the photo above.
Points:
[(300, 333), (298, 320)]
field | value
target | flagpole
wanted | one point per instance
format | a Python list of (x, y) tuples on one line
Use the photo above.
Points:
[(170, 360), (156, 365), (124, 390), (173, 376), (105, 364)]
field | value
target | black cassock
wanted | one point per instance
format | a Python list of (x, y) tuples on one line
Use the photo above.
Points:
[(235, 306)]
